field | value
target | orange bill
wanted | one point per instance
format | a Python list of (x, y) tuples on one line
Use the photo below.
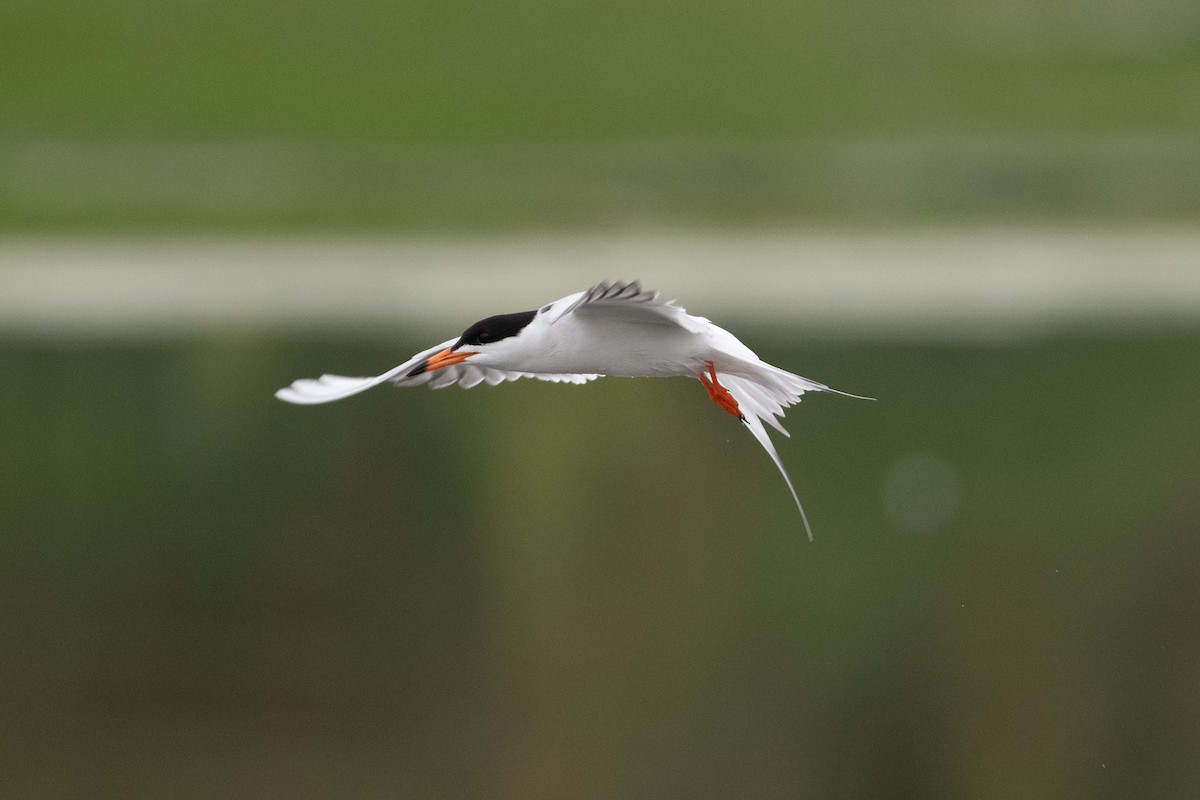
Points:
[(446, 358)]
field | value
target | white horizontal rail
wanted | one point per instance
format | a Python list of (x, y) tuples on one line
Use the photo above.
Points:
[(841, 283)]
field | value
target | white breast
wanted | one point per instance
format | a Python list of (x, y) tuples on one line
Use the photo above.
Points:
[(615, 344)]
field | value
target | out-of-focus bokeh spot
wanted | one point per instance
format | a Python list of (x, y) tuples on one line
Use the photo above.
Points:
[(921, 492)]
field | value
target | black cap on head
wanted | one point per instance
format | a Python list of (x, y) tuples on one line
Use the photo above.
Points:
[(493, 329)]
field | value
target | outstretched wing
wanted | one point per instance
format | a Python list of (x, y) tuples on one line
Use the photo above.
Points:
[(467, 375), (328, 388), (624, 298)]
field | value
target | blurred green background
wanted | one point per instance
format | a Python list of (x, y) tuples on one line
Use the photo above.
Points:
[(543, 591), (147, 115)]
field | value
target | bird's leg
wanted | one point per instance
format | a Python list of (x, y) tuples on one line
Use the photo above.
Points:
[(719, 394)]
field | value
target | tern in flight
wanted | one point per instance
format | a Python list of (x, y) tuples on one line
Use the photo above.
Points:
[(614, 329)]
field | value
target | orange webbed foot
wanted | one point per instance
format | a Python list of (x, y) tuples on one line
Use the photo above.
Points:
[(719, 394)]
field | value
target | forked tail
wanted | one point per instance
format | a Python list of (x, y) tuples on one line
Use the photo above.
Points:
[(756, 427)]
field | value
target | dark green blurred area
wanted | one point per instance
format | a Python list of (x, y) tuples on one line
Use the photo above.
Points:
[(138, 116), (543, 591)]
